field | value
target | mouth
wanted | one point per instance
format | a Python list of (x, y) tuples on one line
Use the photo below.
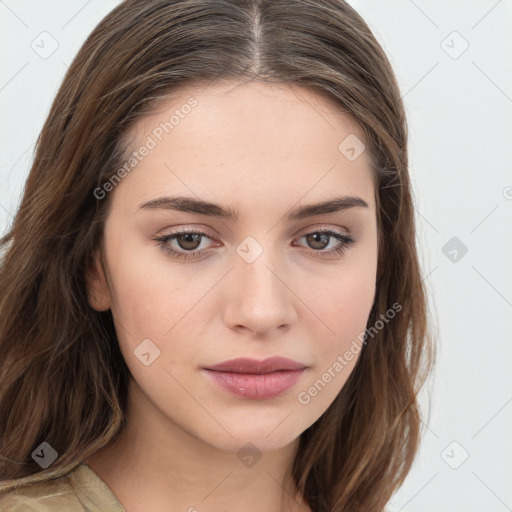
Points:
[(256, 380), (254, 366)]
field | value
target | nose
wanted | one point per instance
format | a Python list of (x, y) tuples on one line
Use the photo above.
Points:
[(259, 297)]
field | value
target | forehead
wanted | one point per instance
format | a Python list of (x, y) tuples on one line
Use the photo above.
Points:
[(225, 140)]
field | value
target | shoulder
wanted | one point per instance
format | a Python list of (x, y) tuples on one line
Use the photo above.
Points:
[(80, 490), (57, 495)]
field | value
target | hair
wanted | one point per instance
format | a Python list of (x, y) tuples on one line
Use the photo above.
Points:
[(63, 379)]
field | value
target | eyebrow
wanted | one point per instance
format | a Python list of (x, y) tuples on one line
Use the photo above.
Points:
[(191, 205)]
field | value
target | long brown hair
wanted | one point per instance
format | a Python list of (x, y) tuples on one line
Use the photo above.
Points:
[(63, 379)]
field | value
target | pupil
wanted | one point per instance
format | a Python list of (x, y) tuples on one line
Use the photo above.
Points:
[(316, 239), (189, 239)]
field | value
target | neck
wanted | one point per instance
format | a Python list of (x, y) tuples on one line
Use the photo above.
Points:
[(156, 465)]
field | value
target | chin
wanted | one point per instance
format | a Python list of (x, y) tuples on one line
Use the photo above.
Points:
[(258, 436)]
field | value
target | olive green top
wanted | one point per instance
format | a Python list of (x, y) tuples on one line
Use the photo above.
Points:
[(80, 490)]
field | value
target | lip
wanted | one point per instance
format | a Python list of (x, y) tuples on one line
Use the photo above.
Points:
[(256, 380), (248, 365)]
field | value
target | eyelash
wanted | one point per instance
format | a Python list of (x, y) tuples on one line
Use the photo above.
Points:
[(163, 242)]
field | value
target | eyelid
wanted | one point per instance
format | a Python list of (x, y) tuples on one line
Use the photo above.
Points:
[(346, 240), (188, 229), (313, 228), (342, 230)]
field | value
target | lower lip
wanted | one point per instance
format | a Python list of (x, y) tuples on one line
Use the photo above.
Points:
[(256, 387)]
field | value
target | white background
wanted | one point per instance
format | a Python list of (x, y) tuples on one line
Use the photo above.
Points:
[(459, 107)]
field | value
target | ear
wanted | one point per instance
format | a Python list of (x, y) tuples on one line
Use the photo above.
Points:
[(97, 287)]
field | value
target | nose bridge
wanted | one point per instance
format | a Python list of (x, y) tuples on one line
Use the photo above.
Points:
[(259, 299), (257, 267)]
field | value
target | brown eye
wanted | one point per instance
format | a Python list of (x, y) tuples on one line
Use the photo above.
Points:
[(318, 241), (189, 241)]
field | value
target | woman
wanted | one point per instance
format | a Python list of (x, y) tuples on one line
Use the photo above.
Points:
[(211, 296)]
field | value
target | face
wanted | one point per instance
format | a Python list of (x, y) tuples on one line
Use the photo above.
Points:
[(273, 279)]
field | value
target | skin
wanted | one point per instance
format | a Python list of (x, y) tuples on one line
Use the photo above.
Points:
[(262, 149)]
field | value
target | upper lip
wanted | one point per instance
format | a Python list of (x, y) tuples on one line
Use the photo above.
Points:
[(248, 365)]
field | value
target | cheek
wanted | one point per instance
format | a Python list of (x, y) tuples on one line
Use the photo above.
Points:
[(157, 301), (338, 336), (342, 306), (153, 304), (342, 301)]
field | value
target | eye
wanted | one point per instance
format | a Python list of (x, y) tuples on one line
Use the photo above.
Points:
[(189, 242), (322, 238)]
